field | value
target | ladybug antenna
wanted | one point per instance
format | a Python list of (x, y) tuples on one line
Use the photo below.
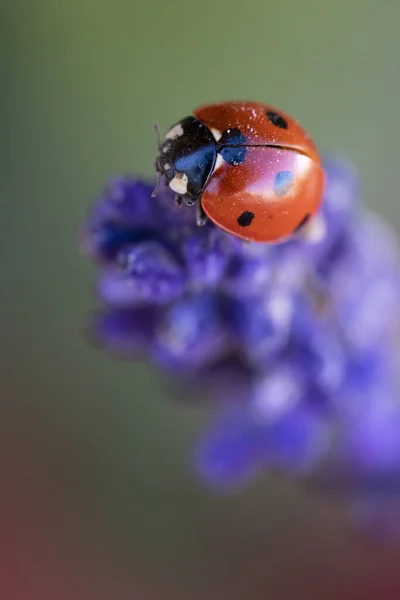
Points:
[(155, 192), (156, 127)]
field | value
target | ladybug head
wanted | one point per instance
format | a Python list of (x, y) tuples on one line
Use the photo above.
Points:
[(186, 158)]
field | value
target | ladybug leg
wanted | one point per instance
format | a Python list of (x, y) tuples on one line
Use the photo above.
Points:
[(178, 200), (201, 217), (189, 201)]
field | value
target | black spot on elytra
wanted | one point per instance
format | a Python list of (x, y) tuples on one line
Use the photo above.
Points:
[(245, 218), (276, 119), (283, 183), (304, 220), (232, 146)]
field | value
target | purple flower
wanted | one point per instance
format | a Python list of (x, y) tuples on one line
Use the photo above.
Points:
[(295, 343), (242, 444)]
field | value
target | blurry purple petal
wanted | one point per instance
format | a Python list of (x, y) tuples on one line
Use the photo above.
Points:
[(339, 206), (316, 349), (261, 326), (103, 242), (341, 192), (131, 201), (147, 272), (372, 440), (125, 332), (246, 276), (368, 381), (190, 334), (278, 392), (205, 257), (364, 284), (230, 454), (297, 441)]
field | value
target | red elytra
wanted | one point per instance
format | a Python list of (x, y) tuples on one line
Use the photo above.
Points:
[(263, 182)]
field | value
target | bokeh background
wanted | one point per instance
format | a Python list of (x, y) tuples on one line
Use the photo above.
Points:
[(97, 499)]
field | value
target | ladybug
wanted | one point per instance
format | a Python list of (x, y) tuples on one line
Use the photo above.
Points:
[(249, 168)]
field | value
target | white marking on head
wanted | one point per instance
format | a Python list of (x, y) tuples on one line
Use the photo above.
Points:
[(217, 134), (179, 183), (175, 132), (167, 166)]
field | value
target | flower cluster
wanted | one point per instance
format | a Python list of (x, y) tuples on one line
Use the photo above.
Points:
[(295, 343)]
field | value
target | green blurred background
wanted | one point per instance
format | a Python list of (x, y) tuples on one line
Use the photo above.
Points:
[(96, 494)]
